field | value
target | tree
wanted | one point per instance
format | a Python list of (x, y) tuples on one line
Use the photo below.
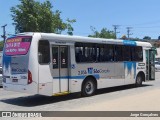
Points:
[(1, 45), (147, 38), (104, 33), (124, 37), (33, 16)]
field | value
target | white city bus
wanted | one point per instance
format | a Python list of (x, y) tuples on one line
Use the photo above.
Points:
[(51, 64)]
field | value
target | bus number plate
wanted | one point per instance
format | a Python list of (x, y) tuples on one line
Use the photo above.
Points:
[(14, 80)]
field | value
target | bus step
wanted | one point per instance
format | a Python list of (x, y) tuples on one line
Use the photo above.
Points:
[(61, 93)]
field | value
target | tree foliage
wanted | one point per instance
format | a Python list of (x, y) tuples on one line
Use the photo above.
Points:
[(104, 33), (33, 16), (147, 38), (124, 37), (1, 45)]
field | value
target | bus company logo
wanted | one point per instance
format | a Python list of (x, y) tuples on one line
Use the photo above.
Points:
[(73, 66), (19, 70), (101, 71), (90, 70), (94, 71)]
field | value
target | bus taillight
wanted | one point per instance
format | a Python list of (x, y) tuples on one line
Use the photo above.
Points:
[(29, 77)]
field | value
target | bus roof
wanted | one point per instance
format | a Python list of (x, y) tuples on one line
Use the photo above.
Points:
[(67, 38)]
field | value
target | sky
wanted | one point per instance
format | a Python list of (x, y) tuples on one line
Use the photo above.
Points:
[(142, 15)]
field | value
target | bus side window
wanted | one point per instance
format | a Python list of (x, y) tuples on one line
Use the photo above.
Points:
[(79, 52), (132, 53), (43, 52), (126, 53), (85, 52), (110, 51), (137, 53), (118, 53), (100, 53)]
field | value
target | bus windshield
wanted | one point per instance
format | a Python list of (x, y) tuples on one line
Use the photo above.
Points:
[(18, 45)]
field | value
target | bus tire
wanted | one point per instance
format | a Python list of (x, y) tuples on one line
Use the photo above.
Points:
[(139, 80), (88, 87)]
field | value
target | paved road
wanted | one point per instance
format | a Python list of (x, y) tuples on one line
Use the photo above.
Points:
[(126, 98)]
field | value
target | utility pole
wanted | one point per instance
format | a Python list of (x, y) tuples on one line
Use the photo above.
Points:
[(128, 31), (115, 30), (4, 32)]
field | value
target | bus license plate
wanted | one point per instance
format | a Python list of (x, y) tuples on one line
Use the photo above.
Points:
[(14, 80)]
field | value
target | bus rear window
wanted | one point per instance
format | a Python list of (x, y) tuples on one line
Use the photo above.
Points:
[(18, 45)]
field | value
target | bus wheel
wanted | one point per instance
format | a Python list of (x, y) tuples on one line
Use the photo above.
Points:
[(139, 80), (88, 87)]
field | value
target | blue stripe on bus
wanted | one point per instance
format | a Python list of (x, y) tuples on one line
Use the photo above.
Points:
[(130, 66), (75, 77), (128, 42)]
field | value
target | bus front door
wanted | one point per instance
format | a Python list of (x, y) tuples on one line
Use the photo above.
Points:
[(150, 66), (60, 69)]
